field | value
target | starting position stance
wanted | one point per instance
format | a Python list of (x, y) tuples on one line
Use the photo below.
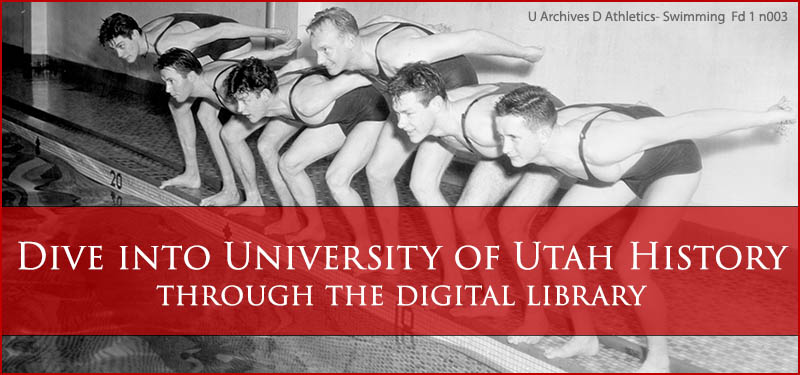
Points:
[(462, 121), (379, 50), (342, 115), (210, 38), (621, 152)]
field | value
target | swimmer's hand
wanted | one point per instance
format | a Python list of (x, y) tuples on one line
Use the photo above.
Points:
[(784, 106), (281, 50), (282, 33), (533, 53), (786, 115), (287, 48)]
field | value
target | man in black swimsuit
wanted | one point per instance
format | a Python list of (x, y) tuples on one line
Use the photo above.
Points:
[(618, 153), (342, 115), (461, 120), (187, 80), (379, 50), (210, 38)]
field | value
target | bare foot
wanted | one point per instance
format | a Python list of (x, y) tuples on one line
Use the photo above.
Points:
[(533, 54), (307, 234), (223, 198), (185, 179), (654, 364), (577, 345)]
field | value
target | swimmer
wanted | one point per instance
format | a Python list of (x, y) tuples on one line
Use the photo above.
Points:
[(461, 121), (617, 153), (210, 38), (342, 114), (186, 79), (378, 50)]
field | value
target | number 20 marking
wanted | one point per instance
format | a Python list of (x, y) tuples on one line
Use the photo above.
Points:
[(116, 180)]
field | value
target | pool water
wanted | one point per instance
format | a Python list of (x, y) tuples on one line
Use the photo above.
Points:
[(32, 178)]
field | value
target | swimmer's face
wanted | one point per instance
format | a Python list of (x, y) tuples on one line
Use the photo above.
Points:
[(332, 46), (253, 105), (178, 86), (126, 48), (520, 142), (413, 117)]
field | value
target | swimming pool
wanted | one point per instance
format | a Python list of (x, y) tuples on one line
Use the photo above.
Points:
[(34, 178)]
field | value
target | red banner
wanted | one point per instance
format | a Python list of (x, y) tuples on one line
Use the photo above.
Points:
[(527, 271)]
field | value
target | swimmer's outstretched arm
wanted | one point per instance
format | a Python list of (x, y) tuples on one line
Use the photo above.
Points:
[(437, 28), (281, 50), (391, 19), (225, 30), (320, 95), (476, 42), (607, 145)]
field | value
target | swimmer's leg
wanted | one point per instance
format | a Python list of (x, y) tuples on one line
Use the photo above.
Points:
[(351, 158), (670, 191), (275, 134), (534, 188), (567, 229), (312, 144), (207, 114), (488, 183), (234, 134), (429, 166), (391, 152), (187, 136)]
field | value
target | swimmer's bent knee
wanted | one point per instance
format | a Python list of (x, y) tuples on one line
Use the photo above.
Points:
[(289, 167), (379, 175), (337, 180)]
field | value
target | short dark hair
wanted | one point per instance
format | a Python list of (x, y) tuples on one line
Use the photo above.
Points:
[(115, 25), (183, 61), (340, 18), (532, 103), (251, 75), (420, 78)]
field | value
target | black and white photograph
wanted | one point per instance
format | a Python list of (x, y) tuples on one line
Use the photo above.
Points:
[(654, 143)]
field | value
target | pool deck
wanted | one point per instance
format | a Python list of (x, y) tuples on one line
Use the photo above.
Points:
[(135, 134)]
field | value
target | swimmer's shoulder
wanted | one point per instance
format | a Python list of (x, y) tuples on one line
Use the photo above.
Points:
[(306, 86)]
